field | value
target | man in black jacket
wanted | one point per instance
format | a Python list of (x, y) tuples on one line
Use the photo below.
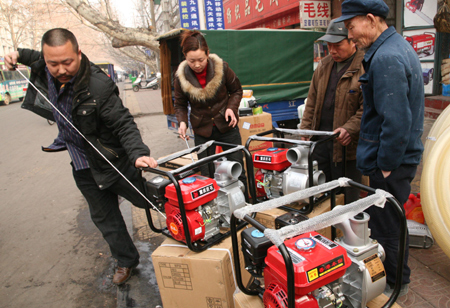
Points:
[(89, 99)]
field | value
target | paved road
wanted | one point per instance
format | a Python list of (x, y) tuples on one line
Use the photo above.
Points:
[(51, 253)]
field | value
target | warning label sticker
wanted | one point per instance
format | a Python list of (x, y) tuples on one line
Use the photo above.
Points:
[(325, 268), (375, 267), (329, 244)]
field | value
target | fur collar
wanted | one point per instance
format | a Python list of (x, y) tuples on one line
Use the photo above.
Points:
[(184, 73)]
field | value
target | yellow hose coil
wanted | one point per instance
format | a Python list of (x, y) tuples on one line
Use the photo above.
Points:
[(441, 123), (435, 191)]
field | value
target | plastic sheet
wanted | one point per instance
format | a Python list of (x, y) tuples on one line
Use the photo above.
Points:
[(298, 132), (435, 192), (294, 141), (304, 132), (439, 126), (293, 197), (337, 215)]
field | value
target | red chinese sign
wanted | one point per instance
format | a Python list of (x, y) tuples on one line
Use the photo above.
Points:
[(243, 14), (315, 14)]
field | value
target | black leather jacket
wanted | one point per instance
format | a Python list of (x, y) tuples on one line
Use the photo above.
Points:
[(97, 112)]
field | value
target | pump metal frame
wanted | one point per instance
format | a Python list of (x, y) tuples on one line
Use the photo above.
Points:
[(174, 176), (288, 261)]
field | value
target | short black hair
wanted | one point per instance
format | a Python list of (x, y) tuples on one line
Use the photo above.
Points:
[(58, 37)]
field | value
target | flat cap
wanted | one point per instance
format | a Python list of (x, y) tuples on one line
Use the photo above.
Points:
[(353, 8), (336, 32)]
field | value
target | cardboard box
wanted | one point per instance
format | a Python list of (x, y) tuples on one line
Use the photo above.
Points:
[(365, 180), (242, 300), (253, 125), (245, 301), (267, 218), (177, 162), (198, 280), (380, 301)]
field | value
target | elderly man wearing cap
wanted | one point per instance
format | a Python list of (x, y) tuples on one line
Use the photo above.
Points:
[(335, 104), (389, 147)]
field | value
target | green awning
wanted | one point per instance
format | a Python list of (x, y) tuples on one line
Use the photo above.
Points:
[(276, 64)]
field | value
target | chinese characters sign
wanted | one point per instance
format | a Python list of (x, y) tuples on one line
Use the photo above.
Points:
[(314, 14), (242, 14), (189, 16), (214, 15)]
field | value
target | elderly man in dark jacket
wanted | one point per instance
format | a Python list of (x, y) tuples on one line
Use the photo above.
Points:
[(389, 147), (89, 99)]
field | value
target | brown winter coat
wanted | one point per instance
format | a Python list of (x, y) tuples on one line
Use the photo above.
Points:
[(348, 105), (223, 90)]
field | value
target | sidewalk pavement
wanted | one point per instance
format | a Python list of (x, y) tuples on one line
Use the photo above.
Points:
[(142, 289), (143, 102), (430, 278)]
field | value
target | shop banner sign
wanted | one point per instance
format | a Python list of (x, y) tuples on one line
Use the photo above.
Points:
[(243, 14), (314, 14), (189, 14), (214, 15)]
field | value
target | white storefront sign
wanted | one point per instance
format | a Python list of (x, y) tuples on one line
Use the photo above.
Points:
[(315, 14)]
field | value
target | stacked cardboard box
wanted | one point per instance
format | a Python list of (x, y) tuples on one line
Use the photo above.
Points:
[(196, 280), (255, 124), (178, 162), (267, 218)]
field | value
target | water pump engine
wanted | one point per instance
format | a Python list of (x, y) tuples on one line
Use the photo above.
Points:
[(208, 202), (347, 272), (283, 171)]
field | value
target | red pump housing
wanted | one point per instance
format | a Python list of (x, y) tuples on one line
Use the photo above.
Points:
[(317, 261), (196, 190), (271, 159), (174, 223)]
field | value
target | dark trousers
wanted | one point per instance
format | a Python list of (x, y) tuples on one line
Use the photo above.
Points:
[(232, 136), (105, 212), (384, 222), (323, 154)]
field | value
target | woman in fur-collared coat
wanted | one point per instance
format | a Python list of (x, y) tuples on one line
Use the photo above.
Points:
[(214, 92)]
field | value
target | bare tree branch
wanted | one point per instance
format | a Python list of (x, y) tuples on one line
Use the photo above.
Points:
[(139, 37)]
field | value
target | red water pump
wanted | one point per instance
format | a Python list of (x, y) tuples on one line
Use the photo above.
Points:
[(283, 171), (347, 272), (208, 202), (196, 191), (317, 262)]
